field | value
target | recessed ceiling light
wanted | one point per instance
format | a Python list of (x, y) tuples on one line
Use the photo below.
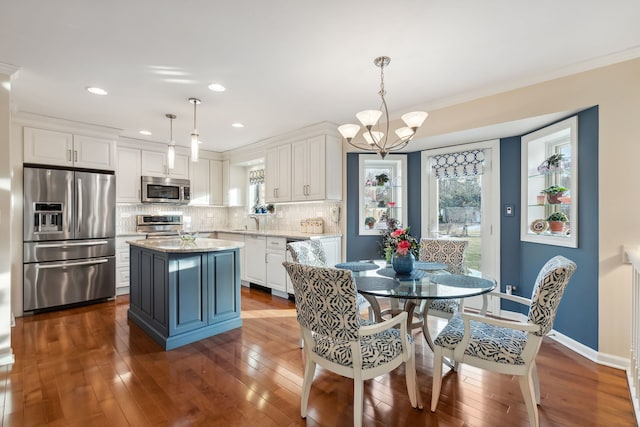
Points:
[(145, 132), (237, 125), (97, 91), (217, 87)]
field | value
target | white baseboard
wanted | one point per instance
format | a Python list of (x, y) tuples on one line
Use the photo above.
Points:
[(7, 359)]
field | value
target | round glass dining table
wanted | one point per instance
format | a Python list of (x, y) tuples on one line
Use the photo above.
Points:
[(429, 282)]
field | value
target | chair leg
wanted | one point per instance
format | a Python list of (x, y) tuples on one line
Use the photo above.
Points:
[(529, 395), (309, 371), (437, 378), (358, 401), (536, 381), (412, 382)]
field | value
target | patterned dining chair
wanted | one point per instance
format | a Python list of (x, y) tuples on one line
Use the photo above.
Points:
[(311, 252), (445, 251), (339, 340), (502, 346)]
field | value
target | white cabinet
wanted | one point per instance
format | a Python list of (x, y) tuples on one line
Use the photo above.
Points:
[(122, 263), (276, 273), (278, 174), (256, 251), (317, 169), (154, 163), (234, 237), (49, 147), (206, 182), (128, 175), (216, 183)]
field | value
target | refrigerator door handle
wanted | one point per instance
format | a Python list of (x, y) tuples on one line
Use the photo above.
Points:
[(66, 245), (79, 204), (71, 264)]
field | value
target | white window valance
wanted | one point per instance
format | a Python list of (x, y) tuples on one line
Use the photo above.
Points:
[(455, 165)]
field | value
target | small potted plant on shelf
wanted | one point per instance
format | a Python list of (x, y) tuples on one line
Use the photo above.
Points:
[(557, 222), (551, 164), (271, 208), (382, 179), (369, 221), (553, 193)]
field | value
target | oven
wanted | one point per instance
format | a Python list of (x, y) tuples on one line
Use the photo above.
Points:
[(159, 226), (165, 190)]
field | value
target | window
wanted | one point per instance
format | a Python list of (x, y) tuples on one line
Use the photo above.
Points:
[(550, 185), (383, 192)]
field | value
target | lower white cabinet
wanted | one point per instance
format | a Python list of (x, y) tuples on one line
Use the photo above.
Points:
[(122, 263), (234, 237), (276, 273), (264, 262), (256, 251)]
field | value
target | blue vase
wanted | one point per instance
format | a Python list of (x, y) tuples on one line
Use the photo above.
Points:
[(403, 264)]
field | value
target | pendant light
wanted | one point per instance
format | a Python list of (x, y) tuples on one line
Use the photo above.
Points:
[(194, 133), (171, 153)]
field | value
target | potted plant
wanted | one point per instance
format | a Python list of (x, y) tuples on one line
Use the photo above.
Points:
[(553, 193), (369, 221), (552, 163), (271, 208), (557, 221), (382, 179)]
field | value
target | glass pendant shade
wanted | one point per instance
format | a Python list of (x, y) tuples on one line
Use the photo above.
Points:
[(194, 146), (369, 118), (415, 118), (171, 155), (404, 132), (377, 137), (348, 131)]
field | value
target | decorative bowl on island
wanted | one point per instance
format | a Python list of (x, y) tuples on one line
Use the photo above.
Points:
[(187, 236)]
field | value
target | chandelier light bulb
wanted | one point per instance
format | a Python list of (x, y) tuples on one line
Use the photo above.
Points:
[(369, 118), (348, 131), (415, 119), (373, 138), (404, 132)]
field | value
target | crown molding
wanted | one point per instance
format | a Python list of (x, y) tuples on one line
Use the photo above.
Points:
[(8, 69)]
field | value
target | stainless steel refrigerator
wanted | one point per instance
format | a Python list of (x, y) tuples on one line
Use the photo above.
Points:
[(69, 237)]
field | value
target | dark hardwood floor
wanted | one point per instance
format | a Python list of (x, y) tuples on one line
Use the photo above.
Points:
[(89, 366)]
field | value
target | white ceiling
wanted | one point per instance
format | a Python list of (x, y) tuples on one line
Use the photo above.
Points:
[(291, 64)]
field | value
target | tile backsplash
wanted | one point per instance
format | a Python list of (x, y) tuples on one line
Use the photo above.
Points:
[(205, 218)]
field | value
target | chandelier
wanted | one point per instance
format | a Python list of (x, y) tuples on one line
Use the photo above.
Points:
[(377, 140)]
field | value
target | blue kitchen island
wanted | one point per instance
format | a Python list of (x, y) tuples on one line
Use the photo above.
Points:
[(183, 292)]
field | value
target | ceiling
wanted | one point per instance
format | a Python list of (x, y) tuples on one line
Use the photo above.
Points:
[(291, 64)]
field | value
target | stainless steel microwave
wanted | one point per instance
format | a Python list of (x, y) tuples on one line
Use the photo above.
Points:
[(165, 190)]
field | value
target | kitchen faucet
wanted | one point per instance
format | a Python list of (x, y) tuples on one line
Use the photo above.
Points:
[(255, 217)]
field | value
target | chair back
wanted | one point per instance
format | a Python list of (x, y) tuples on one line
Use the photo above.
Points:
[(548, 290), (445, 251), (325, 300), (309, 252)]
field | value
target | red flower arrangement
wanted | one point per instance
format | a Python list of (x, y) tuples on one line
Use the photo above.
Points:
[(401, 242)]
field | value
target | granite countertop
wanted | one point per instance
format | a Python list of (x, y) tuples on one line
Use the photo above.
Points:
[(175, 245), (279, 233)]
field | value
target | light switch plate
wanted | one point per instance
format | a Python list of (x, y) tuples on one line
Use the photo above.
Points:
[(509, 210)]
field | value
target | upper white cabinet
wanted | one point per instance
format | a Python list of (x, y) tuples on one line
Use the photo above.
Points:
[(64, 149), (154, 163), (277, 174), (206, 182), (311, 159), (128, 175)]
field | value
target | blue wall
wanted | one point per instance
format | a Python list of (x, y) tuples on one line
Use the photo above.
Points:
[(520, 261), (366, 247)]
